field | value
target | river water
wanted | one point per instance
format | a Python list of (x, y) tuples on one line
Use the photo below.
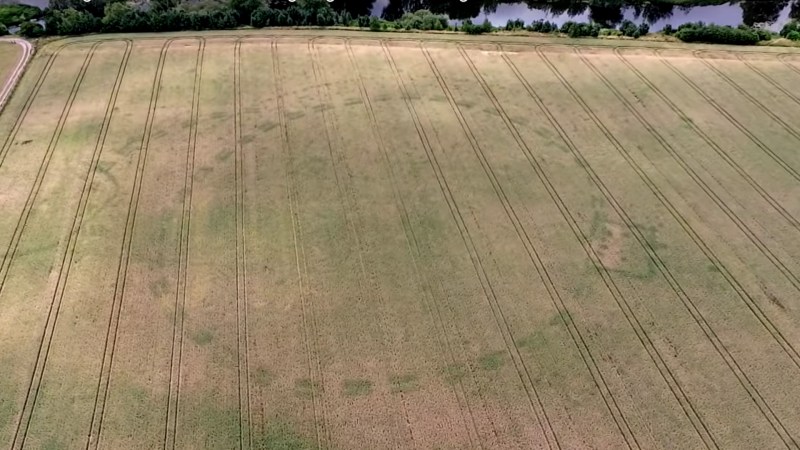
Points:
[(772, 14)]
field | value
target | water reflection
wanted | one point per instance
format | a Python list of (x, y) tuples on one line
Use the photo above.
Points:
[(773, 13)]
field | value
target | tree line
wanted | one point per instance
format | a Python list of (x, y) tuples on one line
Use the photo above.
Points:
[(75, 17)]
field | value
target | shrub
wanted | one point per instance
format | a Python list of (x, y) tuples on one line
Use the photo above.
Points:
[(668, 30), (792, 25), (364, 21), (422, 20), (610, 32), (516, 24), (11, 15), (71, 22), (121, 17), (629, 29), (716, 34), (375, 24), (30, 30), (793, 35), (644, 28), (3, 30)]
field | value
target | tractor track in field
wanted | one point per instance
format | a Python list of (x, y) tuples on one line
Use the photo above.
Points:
[(641, 333), (782, 58), (109, 347), (516, 357), (713, 145), (176, 360), (429, 301), (368, 283), (576, 335), (753, 237), (765, 77), (8, 257), (743, 294), (733, 121), (13, 79), (243, 366), (321, 428), (477, 264), (8, 87), (715, 261), (688, 303), (787, 127), (779, 265), (43, 352)]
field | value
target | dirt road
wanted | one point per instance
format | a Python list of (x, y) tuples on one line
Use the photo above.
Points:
[(8, 86)]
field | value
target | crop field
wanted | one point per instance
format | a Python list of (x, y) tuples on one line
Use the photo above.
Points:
[(277, 241)]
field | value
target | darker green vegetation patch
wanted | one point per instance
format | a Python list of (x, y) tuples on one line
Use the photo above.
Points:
[(280, 436), (356, 387), (403, 383), (453, 373), (491, 361), (306, 388)]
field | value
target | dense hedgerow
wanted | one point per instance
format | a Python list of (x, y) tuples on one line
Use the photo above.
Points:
[(717, 34)]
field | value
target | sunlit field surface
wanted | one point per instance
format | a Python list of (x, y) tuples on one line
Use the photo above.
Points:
[(284, 242)]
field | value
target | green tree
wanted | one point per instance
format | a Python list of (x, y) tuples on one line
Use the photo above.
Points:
[(245, 8), (72, 22), (122, 17), (30, 30)]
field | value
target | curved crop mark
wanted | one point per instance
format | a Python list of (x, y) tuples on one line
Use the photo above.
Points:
[(661, 266), (429, 301), (753, 237), (367, 280), (555, 297), (672, 383), (173, 400), (8, 257), (698, 317), (309, 319), (789, 169), (104, 378), (243, 366), (21, 431), (488, 290)]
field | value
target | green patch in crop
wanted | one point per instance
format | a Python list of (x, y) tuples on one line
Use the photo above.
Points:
[(357, 387), (403, 383), (491, 361), (202, 337), (279, 435), (306, 388), (262, 377), (453, 373), (531, 341)]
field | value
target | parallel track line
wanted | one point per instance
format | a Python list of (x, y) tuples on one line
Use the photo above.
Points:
[(109, 347), (429, 301), (732, 120), (21, 432), (309, 319), (176, 366), (541, 270), (367, 280), (469, 245), (243, 366), (699, 318)]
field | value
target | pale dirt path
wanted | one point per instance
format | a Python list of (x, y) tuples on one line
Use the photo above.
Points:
[(8, 87)]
